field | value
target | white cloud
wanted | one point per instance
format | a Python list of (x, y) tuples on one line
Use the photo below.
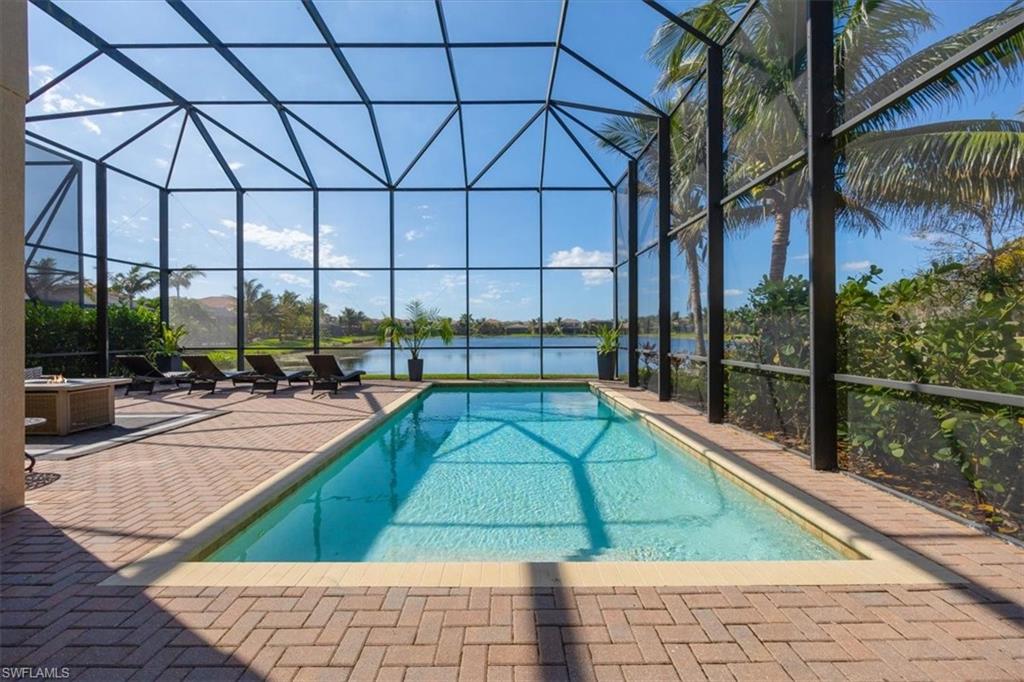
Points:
[(42, 73), (802, 256), (854, 265), (296, 243), (413, 235), (343, 285), (235, 165), (91, 101), (734, 292), (452, 282), (292, 278), (91, 126), (329, 259), (578, 257), (161, 163), (326, 229), (493, 292), (360, 273), (595, 278)]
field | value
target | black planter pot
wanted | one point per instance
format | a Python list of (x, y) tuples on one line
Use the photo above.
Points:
[(416, 369), (606, 366), (168, 363)]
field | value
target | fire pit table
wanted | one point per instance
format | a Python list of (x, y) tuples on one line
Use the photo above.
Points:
[(70, 405)]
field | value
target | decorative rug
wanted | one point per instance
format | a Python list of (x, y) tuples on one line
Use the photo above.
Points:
[(126, 429), (35, 480)]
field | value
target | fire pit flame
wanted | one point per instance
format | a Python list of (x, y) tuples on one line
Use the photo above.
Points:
[(57, 379)]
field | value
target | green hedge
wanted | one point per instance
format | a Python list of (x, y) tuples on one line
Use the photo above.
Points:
[(71, 329)]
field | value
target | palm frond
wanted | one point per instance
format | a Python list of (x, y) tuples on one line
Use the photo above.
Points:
[(873, 36), (952, 167), (1002, 67)]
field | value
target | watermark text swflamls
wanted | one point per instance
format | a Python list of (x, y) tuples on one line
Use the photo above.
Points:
[(9, 672)]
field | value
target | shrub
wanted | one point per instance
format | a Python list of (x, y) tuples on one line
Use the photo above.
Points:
[(71, 329)]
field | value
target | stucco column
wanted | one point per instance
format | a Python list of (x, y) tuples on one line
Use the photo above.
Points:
[(13, 93)]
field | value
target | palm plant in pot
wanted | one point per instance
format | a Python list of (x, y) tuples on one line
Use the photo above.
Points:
[(607, 351), (166, 347), (410, 334)]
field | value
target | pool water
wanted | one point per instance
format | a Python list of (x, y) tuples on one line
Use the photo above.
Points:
[(519, 474)]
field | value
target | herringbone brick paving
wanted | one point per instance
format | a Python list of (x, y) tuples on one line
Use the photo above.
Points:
[(110, 508)]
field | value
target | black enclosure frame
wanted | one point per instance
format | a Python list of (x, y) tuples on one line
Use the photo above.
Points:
[(824, 136)]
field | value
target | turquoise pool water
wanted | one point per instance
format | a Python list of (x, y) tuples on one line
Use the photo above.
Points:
[(519, 474)]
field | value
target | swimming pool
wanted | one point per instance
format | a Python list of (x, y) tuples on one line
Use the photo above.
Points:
[(519, 474)]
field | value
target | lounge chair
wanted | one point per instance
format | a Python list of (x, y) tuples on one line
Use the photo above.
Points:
[(269, 373), (328, 374), (145, 376), (205, 374)]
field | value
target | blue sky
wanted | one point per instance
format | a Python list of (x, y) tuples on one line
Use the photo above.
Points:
[(430, 227)]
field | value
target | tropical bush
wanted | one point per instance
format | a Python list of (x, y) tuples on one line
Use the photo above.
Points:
[(67, 328), (951, 325)]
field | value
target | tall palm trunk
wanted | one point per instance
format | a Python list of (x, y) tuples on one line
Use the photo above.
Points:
[(780, 244), (693, 269)]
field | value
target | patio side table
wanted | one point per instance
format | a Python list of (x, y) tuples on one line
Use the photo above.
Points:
[(29, 422)]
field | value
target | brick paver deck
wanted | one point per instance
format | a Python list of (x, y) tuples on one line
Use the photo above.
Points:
[(110, 508)]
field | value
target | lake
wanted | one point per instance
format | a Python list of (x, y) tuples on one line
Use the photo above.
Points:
[(487, 355)]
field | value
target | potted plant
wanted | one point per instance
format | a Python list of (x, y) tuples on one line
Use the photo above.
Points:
[(607, 351), (166, 347), (422, 323)]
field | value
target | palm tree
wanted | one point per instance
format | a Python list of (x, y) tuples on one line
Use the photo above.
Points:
[(182, 279), (352, 320), (688, 188), (259, 308), (44, 281), (132, 283), (765, 88)]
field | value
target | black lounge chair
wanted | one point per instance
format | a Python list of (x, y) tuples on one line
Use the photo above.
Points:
[(205, 374), (328, 374), (269, 373), (145, 376)]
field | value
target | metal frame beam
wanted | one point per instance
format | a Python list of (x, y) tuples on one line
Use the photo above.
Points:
[(632, 221), (822, 241), (455, 88), (579, 145), (102, 274), (423, 150), (262, 153), (990, 40), (240, 278), (165, 258), (139, 134), (227, 55), (686, 26), (664, 258), (99, 111), (506, 147), (214, 149), (618, 84), (54, 82), (321, 26), (715, 187), (583, 124)]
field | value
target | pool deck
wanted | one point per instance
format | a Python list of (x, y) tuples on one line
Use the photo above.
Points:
[(110, 509)]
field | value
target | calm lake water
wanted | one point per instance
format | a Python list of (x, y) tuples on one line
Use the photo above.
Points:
[(502, 355)]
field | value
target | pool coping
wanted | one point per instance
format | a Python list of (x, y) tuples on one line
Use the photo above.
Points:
[(882, 559)]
